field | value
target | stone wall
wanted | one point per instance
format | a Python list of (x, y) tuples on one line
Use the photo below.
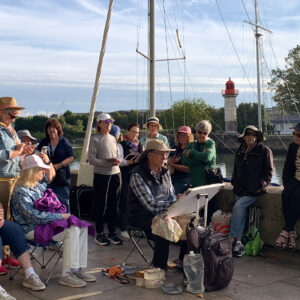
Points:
[(271, 221)]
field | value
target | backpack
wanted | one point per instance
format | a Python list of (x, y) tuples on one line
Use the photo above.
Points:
[(216, 249)]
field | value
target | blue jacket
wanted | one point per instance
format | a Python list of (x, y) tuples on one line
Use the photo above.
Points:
[(23, 211), (61, 152), (8, 167)]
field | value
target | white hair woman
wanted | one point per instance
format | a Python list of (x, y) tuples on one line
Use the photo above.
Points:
[(200, 154), (30, 187)]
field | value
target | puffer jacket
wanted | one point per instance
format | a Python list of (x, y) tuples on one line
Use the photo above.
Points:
[(252, 172)]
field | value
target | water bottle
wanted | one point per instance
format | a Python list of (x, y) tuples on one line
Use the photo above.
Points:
[(193, 267)]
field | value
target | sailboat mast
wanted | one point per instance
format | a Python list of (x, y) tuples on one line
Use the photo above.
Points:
[(151, 63), (257, 37)]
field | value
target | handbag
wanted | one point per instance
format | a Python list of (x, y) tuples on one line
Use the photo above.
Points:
[(60, 178), (213, 175)]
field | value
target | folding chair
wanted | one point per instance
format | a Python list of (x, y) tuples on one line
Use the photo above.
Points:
[(43, 261), (135, 235)]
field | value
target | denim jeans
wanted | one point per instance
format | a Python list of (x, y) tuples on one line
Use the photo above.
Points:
[(12, 235), (238, 218)]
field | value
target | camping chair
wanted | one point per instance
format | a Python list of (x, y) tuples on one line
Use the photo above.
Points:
[(56, 247), (42, 260), (135, 235)]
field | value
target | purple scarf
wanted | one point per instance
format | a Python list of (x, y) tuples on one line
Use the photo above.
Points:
[(49, 202)]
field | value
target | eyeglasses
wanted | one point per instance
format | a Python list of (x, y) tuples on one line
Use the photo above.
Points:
[(135, 132), (250, 133), (11, 116), (296, 134), (162, 154), (108, 121), (202, 132)]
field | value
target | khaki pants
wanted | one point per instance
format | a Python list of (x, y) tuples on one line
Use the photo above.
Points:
[(6, 188)]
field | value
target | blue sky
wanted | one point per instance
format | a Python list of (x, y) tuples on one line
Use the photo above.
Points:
[(49, 51)]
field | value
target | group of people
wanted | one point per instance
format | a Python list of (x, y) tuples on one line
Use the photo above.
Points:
[(134, 181), (27, 170)]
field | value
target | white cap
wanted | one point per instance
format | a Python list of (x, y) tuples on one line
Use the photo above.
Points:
[(103, 117), (32, 161)]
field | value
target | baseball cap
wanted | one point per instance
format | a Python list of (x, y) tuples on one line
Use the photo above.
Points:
[(32, 161)]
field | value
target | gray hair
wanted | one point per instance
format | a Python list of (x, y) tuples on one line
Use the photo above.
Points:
[(204, 125)]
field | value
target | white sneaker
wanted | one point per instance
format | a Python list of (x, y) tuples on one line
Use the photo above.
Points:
[(124, 235), (238, 249), (71, 280), (34, 282), (5, 295)]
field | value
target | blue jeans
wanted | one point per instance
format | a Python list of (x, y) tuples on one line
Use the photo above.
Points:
[(62, 193), (238, 218), (11, 234), (180, 185)]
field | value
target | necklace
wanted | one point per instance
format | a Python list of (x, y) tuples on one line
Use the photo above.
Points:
[(12, 131)]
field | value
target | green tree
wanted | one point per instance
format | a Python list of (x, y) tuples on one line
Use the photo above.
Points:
[(247, 114), (286, 82), (186, 112)]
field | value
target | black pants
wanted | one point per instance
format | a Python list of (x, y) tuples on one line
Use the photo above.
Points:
[(161, 246), (122, 207), (291, 204), (106, 196)]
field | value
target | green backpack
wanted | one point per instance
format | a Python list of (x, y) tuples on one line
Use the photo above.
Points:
[(252, 241)]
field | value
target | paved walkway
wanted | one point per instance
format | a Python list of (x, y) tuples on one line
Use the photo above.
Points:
[(273, 275)]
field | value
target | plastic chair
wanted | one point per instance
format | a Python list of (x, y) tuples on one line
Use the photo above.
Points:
[(135, 235)]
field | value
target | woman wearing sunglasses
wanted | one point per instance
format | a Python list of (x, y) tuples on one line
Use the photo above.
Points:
[(104, 155), (252, 172), (290, 194), (11, 151), (200, 154)]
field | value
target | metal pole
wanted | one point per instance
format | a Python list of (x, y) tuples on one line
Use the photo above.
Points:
[(257, 36), (96, 85), (151, 15)]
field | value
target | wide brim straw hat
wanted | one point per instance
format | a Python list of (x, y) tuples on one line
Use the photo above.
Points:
[(9, 103), (155, 144), (153, 120), (260, 135)]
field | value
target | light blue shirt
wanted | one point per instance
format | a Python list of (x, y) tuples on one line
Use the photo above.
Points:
[(8, 167)]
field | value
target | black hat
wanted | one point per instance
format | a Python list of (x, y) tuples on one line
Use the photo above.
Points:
[(296, 127)]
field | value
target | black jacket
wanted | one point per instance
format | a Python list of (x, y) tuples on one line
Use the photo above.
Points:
[(127, 150), (252, 175), (289, 168), (135, 210)]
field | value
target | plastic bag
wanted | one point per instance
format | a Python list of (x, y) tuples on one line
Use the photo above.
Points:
[(252, 241), (169, 230)]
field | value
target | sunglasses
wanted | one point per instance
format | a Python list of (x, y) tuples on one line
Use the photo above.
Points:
[(11, 116), (202, 132), (296, 134), (108, 121), (250, 133)]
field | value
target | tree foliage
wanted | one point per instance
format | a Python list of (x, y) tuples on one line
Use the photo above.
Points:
[(286, 82)]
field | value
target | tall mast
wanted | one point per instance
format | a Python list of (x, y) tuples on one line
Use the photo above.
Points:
[(257, 41), (257, 37), (151, 62)]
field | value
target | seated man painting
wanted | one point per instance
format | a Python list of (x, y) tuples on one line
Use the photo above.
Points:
[(151, 193)]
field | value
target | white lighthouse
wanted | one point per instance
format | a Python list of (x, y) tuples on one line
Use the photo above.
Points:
[(230, 95)]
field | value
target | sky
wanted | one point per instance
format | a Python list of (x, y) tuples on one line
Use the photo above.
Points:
[(49, 51)]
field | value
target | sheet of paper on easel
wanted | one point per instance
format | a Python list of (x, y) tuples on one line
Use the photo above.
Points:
[(188, 202)]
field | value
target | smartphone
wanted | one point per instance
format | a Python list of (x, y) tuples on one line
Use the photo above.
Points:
[(44, 149)]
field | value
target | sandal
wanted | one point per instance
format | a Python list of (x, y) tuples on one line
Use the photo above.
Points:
[(281, 244), (292, 245)]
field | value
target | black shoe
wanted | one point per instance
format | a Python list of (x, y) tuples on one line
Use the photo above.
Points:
[(102, 240), (114, 239)]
